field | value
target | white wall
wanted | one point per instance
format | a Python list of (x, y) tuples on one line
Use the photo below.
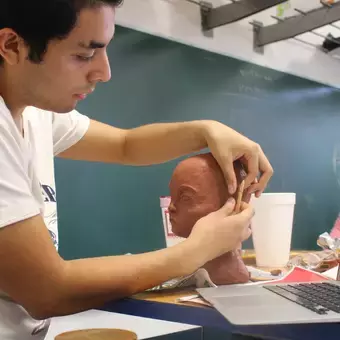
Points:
[(179, 20)]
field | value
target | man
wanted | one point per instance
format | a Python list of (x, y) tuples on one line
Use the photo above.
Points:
[(53, 53)]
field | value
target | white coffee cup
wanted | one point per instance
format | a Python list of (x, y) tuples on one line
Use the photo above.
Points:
[(272, 228)]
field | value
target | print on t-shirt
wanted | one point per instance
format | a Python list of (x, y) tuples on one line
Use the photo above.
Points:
[(50, 213)]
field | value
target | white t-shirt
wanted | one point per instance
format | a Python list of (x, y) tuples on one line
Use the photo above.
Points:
[(27, 188)]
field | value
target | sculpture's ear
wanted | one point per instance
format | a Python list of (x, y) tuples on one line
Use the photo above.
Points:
[(240, 171)]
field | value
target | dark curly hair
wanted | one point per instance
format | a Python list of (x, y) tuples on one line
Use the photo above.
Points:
[(39, 21)]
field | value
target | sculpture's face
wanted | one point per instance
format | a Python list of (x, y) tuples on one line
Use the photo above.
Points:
[(197, 188), (194, 194)]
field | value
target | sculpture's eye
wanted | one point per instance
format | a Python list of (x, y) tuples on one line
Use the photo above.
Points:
[(186, 195), (185, 198)]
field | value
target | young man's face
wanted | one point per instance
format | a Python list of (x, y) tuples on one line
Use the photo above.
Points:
[(72, 67)]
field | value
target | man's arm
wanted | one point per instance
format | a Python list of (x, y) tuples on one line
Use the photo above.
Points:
[(145, 145), (158, 143), (101, 143), (35, 276)]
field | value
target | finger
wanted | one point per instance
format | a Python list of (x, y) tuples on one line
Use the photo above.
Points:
[(266, 171), (252, 189), (244, 206), (247, 211), (246, 234), (229, 175), (228, 207), (252, 163), (259, 187), (258, 193), (264, 179)]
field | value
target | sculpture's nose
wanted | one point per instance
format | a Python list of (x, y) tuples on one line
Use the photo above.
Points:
[(172, 208)]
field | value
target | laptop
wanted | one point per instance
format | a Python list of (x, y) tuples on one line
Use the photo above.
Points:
[(277, 303)]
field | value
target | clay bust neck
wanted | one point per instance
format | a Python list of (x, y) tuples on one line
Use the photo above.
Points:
[(222, 260), (228, 269)]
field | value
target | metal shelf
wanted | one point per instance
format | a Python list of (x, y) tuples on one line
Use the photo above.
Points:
[(293, 26), (237, 10)]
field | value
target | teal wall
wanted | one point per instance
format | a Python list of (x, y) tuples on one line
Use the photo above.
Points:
[(110, 209)]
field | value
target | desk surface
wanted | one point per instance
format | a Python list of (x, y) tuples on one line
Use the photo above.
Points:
[(163, 306), (171, 296)]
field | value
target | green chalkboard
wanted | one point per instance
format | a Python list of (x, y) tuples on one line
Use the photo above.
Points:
[(111, 209)]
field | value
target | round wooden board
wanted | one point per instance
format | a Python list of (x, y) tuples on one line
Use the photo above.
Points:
[(97, 334)]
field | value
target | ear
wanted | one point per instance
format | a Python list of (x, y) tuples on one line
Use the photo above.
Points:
[(12, 47)]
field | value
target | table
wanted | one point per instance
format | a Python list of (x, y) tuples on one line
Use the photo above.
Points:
[(163, 306)]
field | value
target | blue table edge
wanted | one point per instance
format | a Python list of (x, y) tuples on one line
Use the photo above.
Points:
[(209, 317)]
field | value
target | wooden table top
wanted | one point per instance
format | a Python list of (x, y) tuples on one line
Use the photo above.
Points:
[(171, 296)]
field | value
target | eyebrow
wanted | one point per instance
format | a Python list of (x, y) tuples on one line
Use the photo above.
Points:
[(185, 188), (92, 45)]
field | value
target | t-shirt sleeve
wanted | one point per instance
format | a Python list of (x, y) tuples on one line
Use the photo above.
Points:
[(68, 129), (16, 199)]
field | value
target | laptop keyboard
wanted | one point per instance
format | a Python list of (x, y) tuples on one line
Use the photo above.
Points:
[(320, 297)]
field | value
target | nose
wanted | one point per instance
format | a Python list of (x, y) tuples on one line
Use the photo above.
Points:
[(172, 208), (101, 70)]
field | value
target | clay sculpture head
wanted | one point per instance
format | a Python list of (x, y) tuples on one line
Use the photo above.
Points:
[(197, 188)]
